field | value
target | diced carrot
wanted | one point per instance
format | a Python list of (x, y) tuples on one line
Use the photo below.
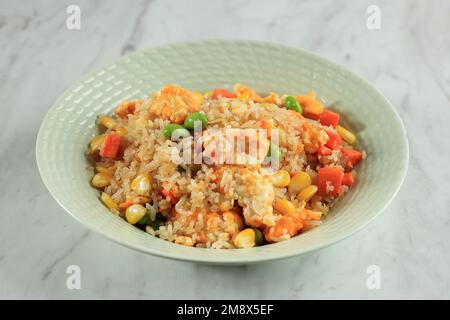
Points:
[(169, 196), (348, 179), (324, 151), (311, 115), (111, 146), (334, 140), (329, 118), (126, 204), (329, 181), (353, 156), (222, 93)]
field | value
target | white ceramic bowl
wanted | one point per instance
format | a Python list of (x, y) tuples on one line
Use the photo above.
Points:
[(206, 65)]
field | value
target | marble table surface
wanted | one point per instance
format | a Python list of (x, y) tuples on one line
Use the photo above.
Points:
[(407, 58)]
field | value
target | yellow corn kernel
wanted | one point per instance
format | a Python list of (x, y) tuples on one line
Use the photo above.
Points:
[(121, 131), (109, 202), (185, 241), (284, 206), (135, 213), (101, 179), (108, 122), (299, 182), (103, 169), (281, 178), (308, 193), (96, 143), (348, 136), (245, 239), (141, 184)]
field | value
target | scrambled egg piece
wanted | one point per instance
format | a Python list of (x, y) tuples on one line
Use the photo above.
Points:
[(255, 194), (285, 227), (219, 146), (246, 93), (175, 103), (313, 138), (310, 105)]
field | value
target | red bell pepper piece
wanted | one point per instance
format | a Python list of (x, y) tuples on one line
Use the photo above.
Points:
[(222, 93), (348, 179), (334, 140), (111, 146), (353, 157), (329, 118), (329, 176)]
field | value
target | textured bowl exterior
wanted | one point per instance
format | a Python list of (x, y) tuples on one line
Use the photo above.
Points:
[(205, 65)]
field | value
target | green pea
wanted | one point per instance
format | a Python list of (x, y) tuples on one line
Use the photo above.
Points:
[(145, 220), (193, 118), (175, 131), (259, 238), (155, 224), (170, 128), (274, 152), (159, 221), (291, 103)]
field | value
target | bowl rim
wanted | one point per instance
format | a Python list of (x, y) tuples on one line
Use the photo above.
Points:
[(217, 259)]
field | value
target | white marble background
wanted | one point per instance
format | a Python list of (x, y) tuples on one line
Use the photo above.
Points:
[(407, 59)]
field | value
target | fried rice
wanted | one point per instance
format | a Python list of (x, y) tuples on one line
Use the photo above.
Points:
[(304, 163)]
